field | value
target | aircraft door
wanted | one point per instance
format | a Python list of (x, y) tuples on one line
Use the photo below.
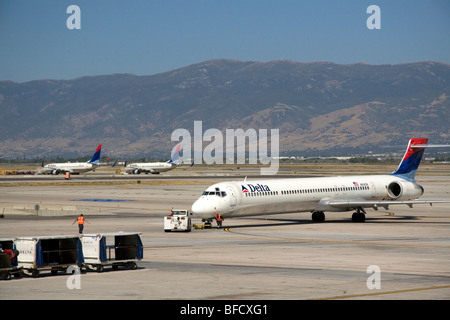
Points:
[(374, 190), (232, 193)]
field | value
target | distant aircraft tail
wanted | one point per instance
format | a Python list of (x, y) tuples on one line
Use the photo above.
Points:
[(176, 155), (411, 160), (96, 157)]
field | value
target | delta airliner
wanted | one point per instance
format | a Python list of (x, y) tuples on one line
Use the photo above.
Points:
[(74, 167), (317, 195), (155, 167)]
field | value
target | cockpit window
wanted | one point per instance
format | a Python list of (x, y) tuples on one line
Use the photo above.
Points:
[(214, 193)]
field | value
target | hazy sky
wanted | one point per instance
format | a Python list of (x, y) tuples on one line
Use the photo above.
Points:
[(145, 37)]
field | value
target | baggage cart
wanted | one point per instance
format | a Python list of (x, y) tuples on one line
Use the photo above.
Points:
[(8, 260), (54, 253), (112, 249)]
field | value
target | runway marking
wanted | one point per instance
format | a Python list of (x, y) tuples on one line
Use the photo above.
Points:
[(103, 200), (382, 293)]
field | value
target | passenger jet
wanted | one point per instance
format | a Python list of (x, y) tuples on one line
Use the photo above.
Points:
[(155, 167), (317, 195), (74, 167)]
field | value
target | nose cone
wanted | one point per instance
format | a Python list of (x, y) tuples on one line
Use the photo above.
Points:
[(203, 208), (200, 209)]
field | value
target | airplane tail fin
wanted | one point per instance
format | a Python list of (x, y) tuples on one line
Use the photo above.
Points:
[(411, 160), (176, 155), (96, 157)]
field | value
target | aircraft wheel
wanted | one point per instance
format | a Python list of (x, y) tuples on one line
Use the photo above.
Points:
[(318, 216), (358, 217)]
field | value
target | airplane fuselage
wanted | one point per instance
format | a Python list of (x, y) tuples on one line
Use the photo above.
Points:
[(151, 167), (273, 196), (75, 167), (155, 167)]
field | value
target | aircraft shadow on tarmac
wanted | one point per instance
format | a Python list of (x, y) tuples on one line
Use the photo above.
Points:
[(285, 222)]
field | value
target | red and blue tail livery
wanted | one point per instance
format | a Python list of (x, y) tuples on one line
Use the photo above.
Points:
[(96, 157), (176, 155), (411, 160)]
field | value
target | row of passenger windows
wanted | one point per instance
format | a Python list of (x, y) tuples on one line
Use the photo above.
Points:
[(261, 193), (322, 190), (303, 191)]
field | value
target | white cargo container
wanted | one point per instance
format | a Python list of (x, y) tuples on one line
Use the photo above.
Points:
[(54, 253), (113, 249), (178, 220)]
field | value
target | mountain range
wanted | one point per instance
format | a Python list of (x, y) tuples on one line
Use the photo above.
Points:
[(318, 107)]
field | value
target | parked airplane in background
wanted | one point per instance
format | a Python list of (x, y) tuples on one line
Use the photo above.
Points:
[(74, 167), (155, 167), (317, 195)]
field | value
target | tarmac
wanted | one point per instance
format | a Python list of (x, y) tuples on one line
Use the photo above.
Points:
[(403, 253)]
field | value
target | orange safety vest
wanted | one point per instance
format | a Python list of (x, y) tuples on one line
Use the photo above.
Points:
[(80, 220), (219, 218)]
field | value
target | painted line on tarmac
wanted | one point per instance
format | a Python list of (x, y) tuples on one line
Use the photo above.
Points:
[(103, 200), (382, 293)]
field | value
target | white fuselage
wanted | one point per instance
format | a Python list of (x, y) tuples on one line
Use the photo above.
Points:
[(149, 167), (272, 196), (75, 167)]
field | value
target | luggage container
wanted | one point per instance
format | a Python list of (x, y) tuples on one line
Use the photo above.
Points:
[(8, 260), (55, 253), (112, 249)]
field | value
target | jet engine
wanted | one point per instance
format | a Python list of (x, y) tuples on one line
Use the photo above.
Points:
[(404, 190)]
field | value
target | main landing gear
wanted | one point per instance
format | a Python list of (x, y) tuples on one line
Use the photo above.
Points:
[(358, 216), (318, 216)]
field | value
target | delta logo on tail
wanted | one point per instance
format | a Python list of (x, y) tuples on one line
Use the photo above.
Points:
[(255, 188)]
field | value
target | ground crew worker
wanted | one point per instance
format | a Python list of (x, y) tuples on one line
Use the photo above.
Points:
[(81, 220), (219, 220)]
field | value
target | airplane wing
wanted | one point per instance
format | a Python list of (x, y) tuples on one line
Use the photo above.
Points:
[(65, 171), (349, 204), (56, 171)]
